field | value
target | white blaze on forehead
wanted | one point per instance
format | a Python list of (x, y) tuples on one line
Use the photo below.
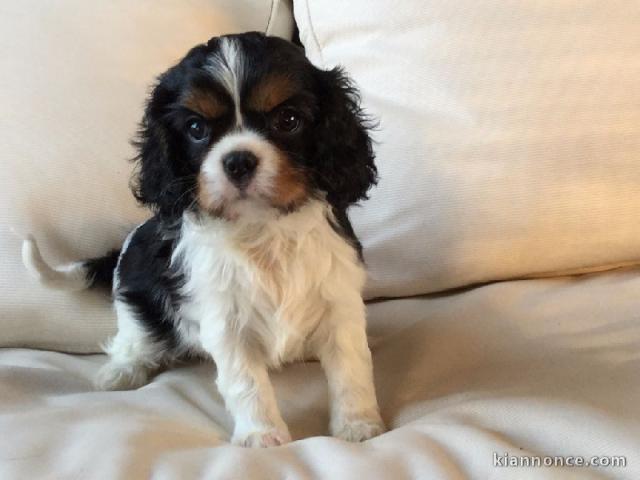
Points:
[(227, 67)]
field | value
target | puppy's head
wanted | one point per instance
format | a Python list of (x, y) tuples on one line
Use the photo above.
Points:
[(244, 125)]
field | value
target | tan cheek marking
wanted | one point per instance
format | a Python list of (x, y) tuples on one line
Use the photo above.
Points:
[(271, 92), (205, 103), (290, 186)]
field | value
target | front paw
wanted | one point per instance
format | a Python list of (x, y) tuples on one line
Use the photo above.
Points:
[(273, 437), (358, 429)]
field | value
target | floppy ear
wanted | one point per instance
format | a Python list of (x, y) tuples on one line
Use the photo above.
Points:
[(343, 164), (156, 183)]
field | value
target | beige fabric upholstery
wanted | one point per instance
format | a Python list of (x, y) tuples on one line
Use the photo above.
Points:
[(509, 138), (73, 79), (543, 367)]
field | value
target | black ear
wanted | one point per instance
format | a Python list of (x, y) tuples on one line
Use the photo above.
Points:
[(156, 183), (343, 165)]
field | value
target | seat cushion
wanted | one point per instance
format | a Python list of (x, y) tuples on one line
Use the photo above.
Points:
[(531, 368)]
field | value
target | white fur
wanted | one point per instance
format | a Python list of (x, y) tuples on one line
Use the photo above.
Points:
[(307, 301), (132, 354), (227, 67), (70, 277)]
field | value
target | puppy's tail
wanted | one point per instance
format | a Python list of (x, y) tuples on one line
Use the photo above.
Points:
[(75, 276)]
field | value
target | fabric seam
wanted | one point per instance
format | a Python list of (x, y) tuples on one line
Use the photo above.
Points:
[(314, 37), (271, 15)]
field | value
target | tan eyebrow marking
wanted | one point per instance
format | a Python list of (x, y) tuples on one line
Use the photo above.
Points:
[(271, 92), (205, 103)]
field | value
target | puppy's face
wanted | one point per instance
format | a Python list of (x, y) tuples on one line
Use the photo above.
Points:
[(246, 124)]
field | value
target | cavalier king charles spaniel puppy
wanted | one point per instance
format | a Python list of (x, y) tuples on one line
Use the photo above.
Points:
[(249, 158)]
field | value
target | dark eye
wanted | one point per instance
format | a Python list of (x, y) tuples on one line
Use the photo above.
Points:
[(286, 120), (197, 129)]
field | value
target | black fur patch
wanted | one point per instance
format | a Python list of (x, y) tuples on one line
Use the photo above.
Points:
[(147, 283), (100, 270)]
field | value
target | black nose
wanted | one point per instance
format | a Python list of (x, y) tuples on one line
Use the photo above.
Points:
[(240, 166)]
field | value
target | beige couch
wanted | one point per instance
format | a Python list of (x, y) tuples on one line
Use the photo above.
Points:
[(502, 242)]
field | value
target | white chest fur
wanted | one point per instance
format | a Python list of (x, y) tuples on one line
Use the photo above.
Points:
[(271, 280)]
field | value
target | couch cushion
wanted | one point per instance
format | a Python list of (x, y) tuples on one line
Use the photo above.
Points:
[(74, 78), (525, 368), (509, 138)]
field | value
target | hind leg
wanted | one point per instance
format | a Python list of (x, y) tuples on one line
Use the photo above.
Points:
[(133, 354)]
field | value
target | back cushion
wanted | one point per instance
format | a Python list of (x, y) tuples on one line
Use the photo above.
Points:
[(509, 136), (74, 75)]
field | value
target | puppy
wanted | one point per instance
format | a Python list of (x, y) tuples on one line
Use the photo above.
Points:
[(249, 158)]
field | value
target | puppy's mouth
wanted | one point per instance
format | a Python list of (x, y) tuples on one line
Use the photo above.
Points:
[(222, 198)]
